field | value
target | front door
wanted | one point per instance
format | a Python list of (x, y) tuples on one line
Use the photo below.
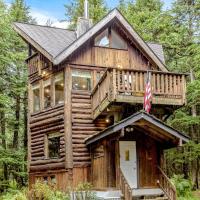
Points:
[(128, 161)]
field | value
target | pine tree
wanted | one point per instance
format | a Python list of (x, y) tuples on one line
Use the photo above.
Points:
[(75, 9)]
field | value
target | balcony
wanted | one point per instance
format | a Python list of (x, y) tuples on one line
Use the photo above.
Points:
[(128, 86)]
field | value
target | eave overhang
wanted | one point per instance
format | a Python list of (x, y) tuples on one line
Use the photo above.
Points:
[(136, 119), (31, 41)]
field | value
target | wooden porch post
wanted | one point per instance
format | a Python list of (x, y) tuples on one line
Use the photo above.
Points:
[(68, 119)]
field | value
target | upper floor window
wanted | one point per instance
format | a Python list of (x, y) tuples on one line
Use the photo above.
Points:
[(59, 88), (81, 80), (36, 97), (117, 41), (110, 38), (47, 93), (102, 39)]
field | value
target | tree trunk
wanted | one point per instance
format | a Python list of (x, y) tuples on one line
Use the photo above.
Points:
[(3, 135), (16, 125)]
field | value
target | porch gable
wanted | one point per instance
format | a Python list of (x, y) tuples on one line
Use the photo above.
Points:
[(146, 122)]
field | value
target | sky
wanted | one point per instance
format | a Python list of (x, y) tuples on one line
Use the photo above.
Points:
[(42, 10)]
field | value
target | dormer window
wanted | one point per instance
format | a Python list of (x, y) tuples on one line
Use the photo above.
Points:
[(111, 39)]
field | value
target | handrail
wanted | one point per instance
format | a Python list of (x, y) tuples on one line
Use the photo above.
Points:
[(124, 186), (129, 85), (99, 82), (166, 185)]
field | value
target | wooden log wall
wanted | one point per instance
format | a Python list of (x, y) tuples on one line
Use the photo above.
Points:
[(82, 127), (47, 121)]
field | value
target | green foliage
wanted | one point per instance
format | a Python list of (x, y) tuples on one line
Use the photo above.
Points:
[(183, 186), (84, 192), (75, 9), (43, 191)]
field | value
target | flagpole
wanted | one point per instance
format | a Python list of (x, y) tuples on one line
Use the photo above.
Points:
[(145, 89)]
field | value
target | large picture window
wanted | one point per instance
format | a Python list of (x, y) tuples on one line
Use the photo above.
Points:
[(47, 93), (36, 97), (81, 80), (59, 88)]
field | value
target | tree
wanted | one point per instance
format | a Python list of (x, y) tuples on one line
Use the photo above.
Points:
[(13, 92), (75, 9)]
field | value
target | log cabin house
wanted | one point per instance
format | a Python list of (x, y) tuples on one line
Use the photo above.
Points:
[(86, 91)]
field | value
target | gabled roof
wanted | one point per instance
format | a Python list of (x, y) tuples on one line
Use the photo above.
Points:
[(158, 50), (137, 117), (44, 38), (58, 44)]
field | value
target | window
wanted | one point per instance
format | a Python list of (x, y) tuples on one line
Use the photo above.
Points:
[(53, 145), (81, 80), (47, 93), (102, 40), (117, 41), (110, 39), (36, 97), (59, 88)]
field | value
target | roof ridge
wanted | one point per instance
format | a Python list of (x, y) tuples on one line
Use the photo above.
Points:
[(87, 31), (45, 26)]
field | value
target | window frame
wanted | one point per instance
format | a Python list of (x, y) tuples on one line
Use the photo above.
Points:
[(91, 79), (110, 30), (41, 86), (54, 88), (32, 97), (46, 144)]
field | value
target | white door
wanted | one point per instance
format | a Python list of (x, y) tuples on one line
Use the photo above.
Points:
[(128, 161)]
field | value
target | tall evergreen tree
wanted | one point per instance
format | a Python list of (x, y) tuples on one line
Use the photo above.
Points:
[(75, 9)]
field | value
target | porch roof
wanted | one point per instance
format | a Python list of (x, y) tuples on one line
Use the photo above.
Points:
[(146, 122)]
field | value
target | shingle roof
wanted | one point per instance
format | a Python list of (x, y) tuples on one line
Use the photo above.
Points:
[(53, 40), (158, 50), (57, 43)]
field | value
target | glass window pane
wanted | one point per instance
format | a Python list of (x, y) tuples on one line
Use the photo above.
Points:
[(36, 97), (47, 93), (117, 41), (59, 88), (54, 147), (81, 80), (102, 39)]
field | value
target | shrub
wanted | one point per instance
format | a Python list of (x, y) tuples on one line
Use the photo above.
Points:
[(84, 192), (42, 191), (183, 188)]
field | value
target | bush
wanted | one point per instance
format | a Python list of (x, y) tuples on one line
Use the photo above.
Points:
[(42, 191), (183, 188), (84, 192)]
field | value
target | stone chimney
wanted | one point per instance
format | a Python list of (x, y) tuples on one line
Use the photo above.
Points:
[(84, 23)]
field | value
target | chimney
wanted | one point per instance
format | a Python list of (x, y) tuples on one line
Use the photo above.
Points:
[(84, 23)]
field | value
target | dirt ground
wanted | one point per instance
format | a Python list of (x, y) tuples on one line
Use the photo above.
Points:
[(197, 194)]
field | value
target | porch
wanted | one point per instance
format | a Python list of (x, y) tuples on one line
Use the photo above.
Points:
[(128, 156), (128, 86)]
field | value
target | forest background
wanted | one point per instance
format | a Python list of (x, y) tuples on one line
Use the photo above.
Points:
[(177, 29)]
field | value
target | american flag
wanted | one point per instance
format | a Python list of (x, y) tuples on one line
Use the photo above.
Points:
[(148, 94)]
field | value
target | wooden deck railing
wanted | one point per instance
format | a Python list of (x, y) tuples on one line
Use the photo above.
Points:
[(36, 63), (102, 89), (124, 187), (166, 185), (127, 85)]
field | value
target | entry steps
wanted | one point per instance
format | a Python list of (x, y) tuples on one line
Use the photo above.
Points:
[(138, 194)]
